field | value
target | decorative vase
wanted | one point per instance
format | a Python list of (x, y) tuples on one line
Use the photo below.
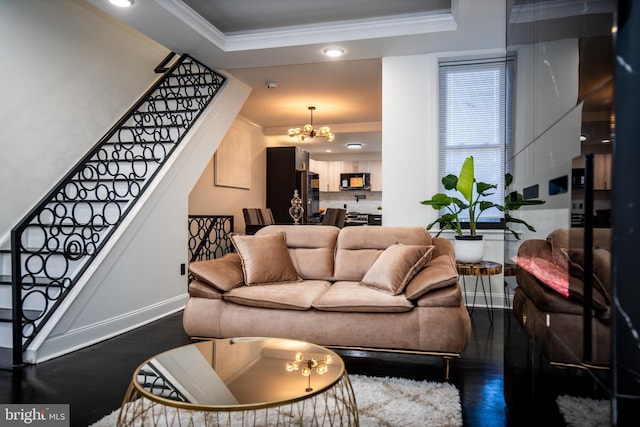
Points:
[(296, 210), (469, 249)]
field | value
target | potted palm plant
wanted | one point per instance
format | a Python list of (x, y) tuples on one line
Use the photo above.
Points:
[(513, 202), (469, 247)]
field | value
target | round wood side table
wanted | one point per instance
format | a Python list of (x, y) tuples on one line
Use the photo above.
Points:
[(480, 270)]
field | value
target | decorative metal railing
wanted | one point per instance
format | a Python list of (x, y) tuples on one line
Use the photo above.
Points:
[(59, 238), (209, 236), (152, 380)]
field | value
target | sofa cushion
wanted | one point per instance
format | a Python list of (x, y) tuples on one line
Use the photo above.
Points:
[(222, 273), (438, 273), (562, 239), (395, 267), (358, 248), (265, 259), (311, 248), (351, 297), (200, 289), (285, 296)]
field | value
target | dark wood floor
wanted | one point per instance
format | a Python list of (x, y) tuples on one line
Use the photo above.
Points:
[(93, 380)]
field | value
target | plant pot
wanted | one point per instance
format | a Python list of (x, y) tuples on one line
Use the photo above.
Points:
[(469, 249)]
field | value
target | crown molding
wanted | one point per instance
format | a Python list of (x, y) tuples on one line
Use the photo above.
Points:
[(393, 26), (546, 10), (195, 21)]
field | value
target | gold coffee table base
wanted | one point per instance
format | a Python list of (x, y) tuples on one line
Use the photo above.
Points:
[(246, 381), (335, 406)]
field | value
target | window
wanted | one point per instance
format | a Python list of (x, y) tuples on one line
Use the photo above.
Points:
[(476, 120)]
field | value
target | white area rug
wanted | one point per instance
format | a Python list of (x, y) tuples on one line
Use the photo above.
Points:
[(392, 402), (584, 412), (396, 402)]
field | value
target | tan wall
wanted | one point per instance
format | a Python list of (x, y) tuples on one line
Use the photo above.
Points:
[(209, 199)]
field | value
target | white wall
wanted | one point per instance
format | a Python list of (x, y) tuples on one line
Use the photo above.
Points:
[(208, 199), (72, 71), (69, 72), (409, 137)]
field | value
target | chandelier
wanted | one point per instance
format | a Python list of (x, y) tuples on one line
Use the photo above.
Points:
[(307, 133), (308, 364)]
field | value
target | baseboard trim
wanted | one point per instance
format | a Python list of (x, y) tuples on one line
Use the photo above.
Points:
[(77, 339)]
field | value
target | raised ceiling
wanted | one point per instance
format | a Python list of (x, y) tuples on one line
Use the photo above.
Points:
[(259, 41), (233, 16)]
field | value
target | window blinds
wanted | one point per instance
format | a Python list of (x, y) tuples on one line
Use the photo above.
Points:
[(475, 120)]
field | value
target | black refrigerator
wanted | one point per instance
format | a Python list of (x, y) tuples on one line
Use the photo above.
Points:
[(287, 172)]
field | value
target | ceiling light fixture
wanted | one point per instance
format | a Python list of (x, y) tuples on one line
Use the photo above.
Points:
[(299, 360), (307, 133), (354, 146), (334, 52), (121, 3)]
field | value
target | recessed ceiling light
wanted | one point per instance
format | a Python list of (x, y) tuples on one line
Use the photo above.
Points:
[(121, 3), (606, 141), (354, 146), (583, 138), (334, 51)]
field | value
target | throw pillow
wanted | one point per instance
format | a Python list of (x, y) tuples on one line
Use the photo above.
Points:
[(265, 259), (601, 268), (222, 273), (395, 267)]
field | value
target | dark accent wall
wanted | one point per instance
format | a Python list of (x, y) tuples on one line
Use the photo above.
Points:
[(626, 220)]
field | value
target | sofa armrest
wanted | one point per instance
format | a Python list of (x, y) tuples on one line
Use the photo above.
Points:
[(438, 273), (200, 289), (223, 273), (535, 248), (545, 277), (443, 247)]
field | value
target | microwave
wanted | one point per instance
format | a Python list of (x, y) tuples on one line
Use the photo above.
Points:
[(355, 181)]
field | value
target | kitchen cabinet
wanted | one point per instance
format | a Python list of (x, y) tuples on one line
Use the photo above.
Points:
[(602, 173), (321, 169), (602, 170), (330, 171)]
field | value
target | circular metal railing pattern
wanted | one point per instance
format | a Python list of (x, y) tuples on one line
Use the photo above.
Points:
[(209, 236)]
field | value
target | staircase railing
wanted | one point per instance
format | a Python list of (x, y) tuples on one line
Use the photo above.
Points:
[(59, 238), (209, 236)]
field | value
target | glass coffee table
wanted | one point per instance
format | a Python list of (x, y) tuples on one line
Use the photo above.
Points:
[(241, 382)]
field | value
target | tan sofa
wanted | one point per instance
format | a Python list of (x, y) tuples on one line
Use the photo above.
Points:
[(324, 299), (548, 301)]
